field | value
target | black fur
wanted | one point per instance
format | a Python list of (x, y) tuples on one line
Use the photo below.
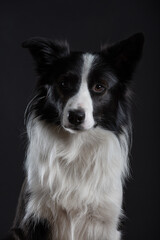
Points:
[(59, 72), (113, 68), (31, 231)]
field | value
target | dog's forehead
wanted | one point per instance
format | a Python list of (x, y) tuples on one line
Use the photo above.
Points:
[(83, 58), (78, 64), (87, 65), (84, 63)]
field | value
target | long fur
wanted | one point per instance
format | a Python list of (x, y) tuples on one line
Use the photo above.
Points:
[(79, 134), (67, 170)]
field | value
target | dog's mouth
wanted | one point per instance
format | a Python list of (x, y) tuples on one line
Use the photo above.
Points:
[(74, 128)]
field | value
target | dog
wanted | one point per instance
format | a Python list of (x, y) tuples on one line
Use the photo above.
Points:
[(79, 136)]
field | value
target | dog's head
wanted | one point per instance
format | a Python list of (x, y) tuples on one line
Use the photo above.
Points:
[(78, 90)]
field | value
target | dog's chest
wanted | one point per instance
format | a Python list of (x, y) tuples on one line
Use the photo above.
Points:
[(74, 175), (71, 172)]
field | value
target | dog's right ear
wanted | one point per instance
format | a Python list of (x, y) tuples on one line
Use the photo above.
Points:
[(46, 51)]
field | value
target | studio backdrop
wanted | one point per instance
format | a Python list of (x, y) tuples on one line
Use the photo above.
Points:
[(86, 25)]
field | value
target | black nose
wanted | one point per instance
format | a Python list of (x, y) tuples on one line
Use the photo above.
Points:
[(76, 117)]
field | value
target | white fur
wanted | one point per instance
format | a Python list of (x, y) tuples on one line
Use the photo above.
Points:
[(75, 180), (82, 99)]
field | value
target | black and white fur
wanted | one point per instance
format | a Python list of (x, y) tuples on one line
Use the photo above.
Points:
[(79, 132)]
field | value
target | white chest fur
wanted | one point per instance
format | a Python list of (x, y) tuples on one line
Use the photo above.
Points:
[(74, 171)]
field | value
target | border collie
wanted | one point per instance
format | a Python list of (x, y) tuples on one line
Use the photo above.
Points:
[(79, 131)]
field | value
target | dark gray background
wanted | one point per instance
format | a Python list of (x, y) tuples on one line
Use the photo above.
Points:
[(85, 24)]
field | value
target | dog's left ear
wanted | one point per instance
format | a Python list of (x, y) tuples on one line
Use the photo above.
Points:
[(46, 51), (124, 55)]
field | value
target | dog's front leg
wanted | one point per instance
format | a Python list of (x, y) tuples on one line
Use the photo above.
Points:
[(100, 231), (96, 225), (30, 231)]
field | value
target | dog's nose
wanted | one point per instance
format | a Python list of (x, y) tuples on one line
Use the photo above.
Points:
[(76, 117)]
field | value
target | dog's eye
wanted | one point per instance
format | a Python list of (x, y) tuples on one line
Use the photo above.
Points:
[(63, 85), (98, 88)]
